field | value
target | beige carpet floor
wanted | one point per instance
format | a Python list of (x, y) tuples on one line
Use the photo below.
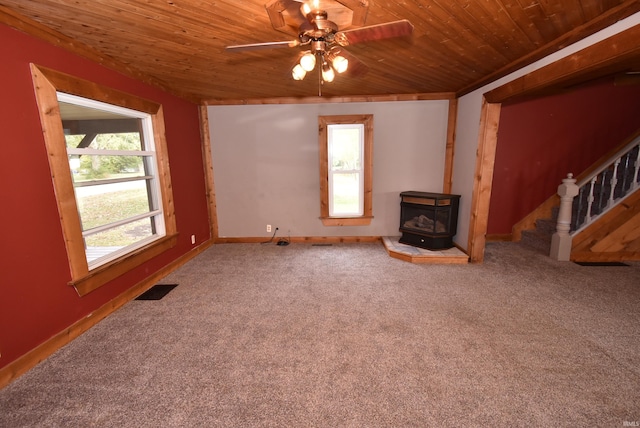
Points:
[(346, 336)]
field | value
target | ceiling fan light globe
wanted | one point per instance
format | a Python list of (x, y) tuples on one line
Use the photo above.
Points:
[(308, 61), (298, 72), (309, 6), (327, 73), (340, 64), (305, 9)]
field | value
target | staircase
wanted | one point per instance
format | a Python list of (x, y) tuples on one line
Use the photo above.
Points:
[(602, 191), (539, 238)]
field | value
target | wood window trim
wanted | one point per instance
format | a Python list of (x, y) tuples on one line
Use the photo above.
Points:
[(47, 83), (323, 122)]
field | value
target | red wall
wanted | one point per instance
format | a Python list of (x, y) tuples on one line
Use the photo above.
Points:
[(35, 300), (541, 140)]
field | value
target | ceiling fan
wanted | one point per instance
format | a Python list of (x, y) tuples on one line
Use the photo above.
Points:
[(325, 41)]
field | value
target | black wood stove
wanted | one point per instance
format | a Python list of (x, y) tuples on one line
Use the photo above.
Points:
[(428, 220)]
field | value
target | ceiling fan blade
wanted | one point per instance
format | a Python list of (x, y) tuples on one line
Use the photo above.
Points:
[(372, 33), (260, 46)]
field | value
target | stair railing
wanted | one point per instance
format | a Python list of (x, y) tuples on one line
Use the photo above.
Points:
[(582, 202)]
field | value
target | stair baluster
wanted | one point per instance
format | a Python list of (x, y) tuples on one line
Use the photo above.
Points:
[(590, 199), (625, 167), (578, 208), (601, 195), (637, 169), (613, 183)]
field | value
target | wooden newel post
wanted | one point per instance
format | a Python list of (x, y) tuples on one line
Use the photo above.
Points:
[(561, 240)]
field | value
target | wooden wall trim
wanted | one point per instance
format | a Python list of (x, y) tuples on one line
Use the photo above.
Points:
[(435, 96), (26, 362), (45, 85), (301, 240), (450, 146), (588, 256), (587, 63), (485, 159), (207, 159)]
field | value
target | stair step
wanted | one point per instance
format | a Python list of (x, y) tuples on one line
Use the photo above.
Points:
[(536, 240), (546, 225)]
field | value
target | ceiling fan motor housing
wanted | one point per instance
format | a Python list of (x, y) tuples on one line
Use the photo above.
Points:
[(320, 21), (318, 46)]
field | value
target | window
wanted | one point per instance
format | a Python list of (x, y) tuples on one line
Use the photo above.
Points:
[(346, 170), (346, 162), (112, 161), (110, 171)]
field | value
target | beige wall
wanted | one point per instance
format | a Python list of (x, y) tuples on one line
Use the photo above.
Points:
[(265, 161)]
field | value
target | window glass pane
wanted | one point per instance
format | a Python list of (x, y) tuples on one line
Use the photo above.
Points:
[(97, 167), (104, 140), (108, 203), (346, 194), (345, 148), (107, 242), (99, 129)]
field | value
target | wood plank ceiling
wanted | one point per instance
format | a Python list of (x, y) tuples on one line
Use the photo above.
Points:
[(456, 45)]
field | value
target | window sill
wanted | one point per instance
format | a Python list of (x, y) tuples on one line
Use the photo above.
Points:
[(105, 273), (346, 221)]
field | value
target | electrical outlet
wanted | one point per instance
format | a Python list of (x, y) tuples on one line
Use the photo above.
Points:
[(193, 239), (268, 228)]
